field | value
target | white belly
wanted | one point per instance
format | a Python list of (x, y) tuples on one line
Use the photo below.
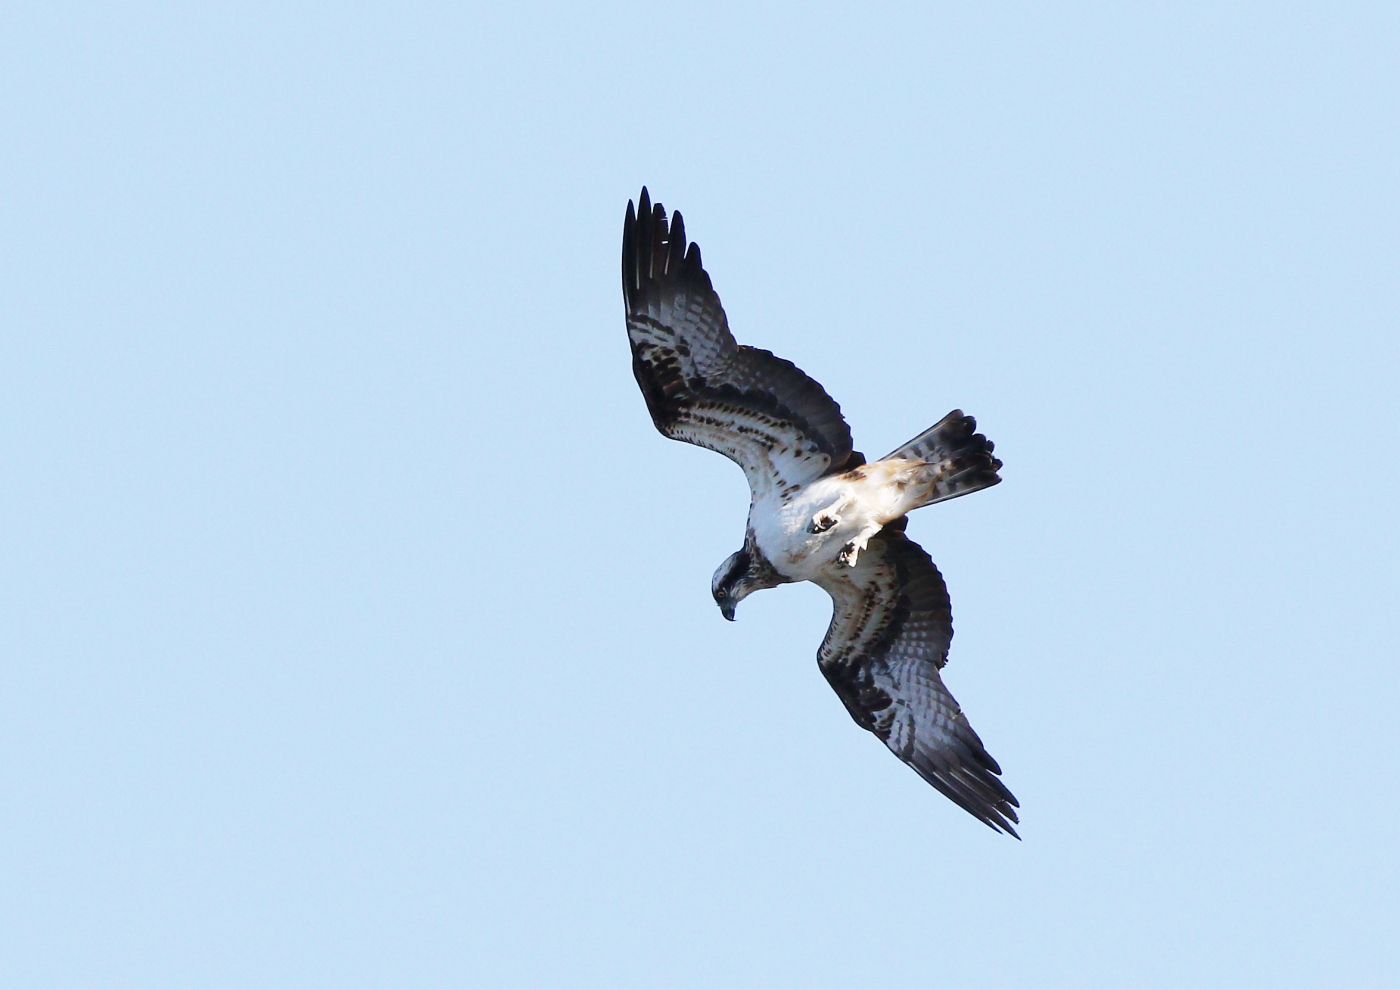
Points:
[(862, 502)]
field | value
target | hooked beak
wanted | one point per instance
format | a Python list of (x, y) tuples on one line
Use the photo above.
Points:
[(726, 609)]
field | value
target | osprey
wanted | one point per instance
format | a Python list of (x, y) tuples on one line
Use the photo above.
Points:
[(818, 512)]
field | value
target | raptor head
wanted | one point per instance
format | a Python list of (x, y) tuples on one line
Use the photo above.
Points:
[(728, 585), (742, 573)]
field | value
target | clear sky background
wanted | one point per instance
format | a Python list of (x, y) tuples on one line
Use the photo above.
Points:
[(356, 623)]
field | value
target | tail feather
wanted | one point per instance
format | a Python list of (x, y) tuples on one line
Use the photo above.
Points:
[(960, 459)]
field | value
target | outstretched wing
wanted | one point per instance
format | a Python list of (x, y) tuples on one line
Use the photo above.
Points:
[(888, 638), (703, 387)]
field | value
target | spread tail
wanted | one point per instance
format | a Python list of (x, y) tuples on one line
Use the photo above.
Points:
[(959, 460)]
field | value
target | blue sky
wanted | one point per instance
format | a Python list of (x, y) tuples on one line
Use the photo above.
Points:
[(357, 628)]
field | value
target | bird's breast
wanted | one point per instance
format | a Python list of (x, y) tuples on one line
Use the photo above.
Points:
[(784, 531)]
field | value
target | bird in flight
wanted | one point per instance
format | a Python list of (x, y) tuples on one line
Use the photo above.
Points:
[(818, 512)]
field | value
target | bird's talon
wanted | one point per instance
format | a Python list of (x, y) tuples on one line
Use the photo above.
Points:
[(821, 522)]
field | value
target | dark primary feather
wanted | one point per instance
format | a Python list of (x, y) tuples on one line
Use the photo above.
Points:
[(889, 636), (702, 386)]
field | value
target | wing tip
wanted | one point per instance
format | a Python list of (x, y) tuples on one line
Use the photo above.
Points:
[(982, 796), (655, 248)]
